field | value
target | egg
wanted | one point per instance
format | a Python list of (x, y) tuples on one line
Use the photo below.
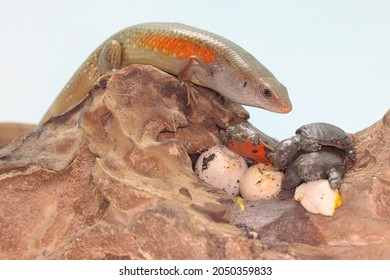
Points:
[(221, 168), (260, 181), (318, 197)]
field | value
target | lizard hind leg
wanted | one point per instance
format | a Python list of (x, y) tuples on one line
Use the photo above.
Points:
[(110, 57), (193, 70)]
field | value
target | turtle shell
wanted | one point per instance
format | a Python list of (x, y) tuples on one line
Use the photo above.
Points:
[(326, 134)]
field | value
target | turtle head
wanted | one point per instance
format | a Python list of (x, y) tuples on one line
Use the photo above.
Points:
[(285, 153)]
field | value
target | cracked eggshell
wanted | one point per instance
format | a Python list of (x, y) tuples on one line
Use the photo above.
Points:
[(318, 197), (260, 181), (221, 168)]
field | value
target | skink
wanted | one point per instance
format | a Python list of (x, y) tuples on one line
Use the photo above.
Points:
[(194, 55)]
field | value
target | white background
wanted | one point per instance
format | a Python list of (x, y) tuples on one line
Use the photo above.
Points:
[(333, 56), (281, 270)]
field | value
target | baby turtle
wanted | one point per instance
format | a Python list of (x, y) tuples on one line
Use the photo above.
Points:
[(247, 141), (311, 138), (324, 164)]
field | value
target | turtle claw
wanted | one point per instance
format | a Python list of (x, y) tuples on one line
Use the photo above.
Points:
[(351, 154), (334, 178)]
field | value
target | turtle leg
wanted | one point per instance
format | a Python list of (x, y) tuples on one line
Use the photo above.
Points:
[(351, 153), (334, 177)]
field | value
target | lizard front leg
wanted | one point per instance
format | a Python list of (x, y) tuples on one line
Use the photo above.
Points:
[(196, 71)]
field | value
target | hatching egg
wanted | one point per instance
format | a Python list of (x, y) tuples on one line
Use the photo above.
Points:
[(221, 168), (260, 181), (318, 197)]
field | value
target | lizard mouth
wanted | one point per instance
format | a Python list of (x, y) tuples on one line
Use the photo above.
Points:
[(281, 108), (286, 108)]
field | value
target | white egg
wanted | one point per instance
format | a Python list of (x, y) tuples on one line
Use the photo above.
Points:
[(260, 181), (318, 197), (221, 168)]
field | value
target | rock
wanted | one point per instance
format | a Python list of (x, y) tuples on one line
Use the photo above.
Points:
[(112, 178), (9, 131)]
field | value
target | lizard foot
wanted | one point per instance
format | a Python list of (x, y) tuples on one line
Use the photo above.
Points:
[(191, 92)]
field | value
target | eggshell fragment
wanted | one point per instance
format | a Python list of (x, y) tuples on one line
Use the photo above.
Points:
[(260, 181), (318, 197), (221, 168), (240, 203)]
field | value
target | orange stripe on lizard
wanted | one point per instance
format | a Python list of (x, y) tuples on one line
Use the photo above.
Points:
[(178, 47)]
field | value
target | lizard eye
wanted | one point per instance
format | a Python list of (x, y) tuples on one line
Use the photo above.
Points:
[(267, 93)]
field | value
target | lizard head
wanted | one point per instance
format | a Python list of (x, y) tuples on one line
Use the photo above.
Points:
[(273, 96), (257, 87)]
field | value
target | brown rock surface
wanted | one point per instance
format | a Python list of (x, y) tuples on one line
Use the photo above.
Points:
[(112, 179), (9, 131)]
